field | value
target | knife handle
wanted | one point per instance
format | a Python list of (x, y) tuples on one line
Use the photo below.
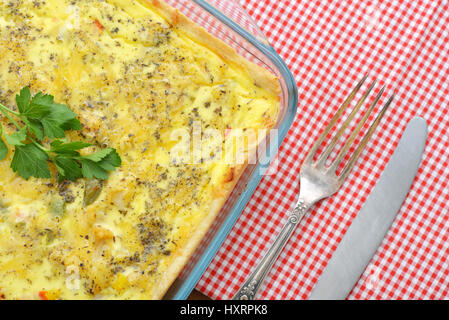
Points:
[(250, 287)]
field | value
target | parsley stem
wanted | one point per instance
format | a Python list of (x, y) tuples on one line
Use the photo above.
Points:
[(38, 144), (9, 110), (5, 111)]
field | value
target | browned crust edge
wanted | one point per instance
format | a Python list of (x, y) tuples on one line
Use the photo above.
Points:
[(262, 78), (184, 254)]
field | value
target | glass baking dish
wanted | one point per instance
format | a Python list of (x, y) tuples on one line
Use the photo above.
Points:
[(226, 20)]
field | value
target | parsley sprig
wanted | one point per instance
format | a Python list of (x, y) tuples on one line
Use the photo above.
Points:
[(38, 118)]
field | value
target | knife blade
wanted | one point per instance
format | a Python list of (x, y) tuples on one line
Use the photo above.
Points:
[(365, 235)]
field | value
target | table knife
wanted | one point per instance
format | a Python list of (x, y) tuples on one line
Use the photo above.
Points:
[(365, 235)]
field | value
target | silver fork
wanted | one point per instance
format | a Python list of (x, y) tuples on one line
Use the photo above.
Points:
[(318, 180)]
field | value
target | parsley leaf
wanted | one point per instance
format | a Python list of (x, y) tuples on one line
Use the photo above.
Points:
[(60, 147), (37, 108), (68, 168), (72, 124), (111, 161), (98, 164), (23, 99), (98, 156), (35, 127), (3, 150), (60, 114), (16, 139), (29, 160), (3, 147), (91, 169), (42, 113)]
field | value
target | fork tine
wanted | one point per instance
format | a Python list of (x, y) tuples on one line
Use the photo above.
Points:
[(364, 141), (333, 121), (322, 160), (334, 166)]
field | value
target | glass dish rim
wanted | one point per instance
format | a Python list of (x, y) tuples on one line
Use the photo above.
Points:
[(204, 261)]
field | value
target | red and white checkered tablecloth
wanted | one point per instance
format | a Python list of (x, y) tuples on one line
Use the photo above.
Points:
[(329, 46)]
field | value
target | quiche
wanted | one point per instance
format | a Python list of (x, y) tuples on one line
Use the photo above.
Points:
[(147, 81)]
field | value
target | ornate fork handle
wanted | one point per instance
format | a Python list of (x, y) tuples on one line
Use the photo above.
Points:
[(319, 181), (255, 280)]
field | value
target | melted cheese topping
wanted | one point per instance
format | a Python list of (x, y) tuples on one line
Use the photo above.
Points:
[(134, 79)]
